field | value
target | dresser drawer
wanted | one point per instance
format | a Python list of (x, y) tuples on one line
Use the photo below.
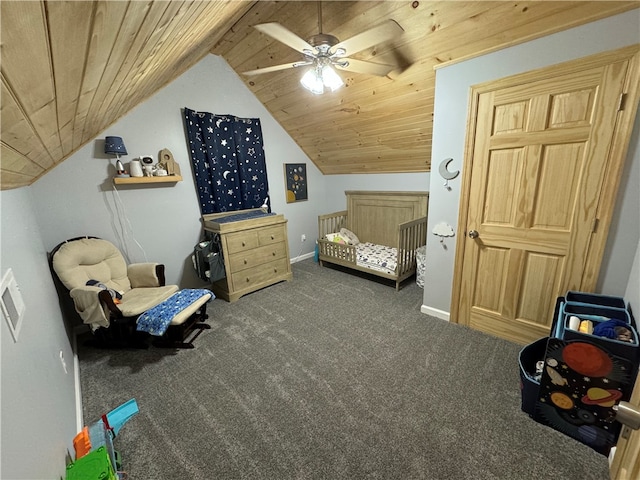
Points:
[(242, 241), (256, 253), (258, 256), (269, 235), (260, 274)]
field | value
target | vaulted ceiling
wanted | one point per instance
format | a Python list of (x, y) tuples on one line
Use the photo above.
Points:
[(71, 69)]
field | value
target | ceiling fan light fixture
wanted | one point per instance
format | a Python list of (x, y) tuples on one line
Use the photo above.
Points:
[(321, 75), (330, 78), (312, 81)]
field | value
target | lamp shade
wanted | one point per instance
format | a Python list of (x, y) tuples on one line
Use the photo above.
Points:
[(331, 79), (312, 81), (320, 76), (114, 146)]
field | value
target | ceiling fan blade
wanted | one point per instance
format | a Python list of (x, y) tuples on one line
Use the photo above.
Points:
[(370, 68), (277, 31), (368, 38), (276, 68)]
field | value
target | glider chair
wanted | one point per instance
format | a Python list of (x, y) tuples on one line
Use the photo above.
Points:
[(123, 303)]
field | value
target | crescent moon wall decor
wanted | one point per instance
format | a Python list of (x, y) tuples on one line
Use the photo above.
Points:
[(446, 174)]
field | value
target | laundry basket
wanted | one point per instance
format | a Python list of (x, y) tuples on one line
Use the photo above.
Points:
[(421, 260)]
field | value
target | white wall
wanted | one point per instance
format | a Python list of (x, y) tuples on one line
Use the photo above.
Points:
[(78, 198), (38, 398), (625, 227), (450, 117), (632, 293), (336, 185)]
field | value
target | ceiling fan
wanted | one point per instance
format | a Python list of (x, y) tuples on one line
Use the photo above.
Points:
[(323, 52)]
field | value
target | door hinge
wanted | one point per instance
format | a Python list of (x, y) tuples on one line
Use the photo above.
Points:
[(594, 226), (622, 101)]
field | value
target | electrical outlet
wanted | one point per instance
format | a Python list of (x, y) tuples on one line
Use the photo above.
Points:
[(303, 238)]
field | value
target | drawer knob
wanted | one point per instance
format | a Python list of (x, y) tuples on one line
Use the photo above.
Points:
[(244, 244), (273, 253), (273, 237), (245, 261), (247, 279), (275, 270)]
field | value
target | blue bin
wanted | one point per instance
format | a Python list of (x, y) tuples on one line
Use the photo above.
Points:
[(597, 314)]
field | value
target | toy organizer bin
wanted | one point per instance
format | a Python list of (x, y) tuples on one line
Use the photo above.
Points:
[(596, 315), (584, 375)]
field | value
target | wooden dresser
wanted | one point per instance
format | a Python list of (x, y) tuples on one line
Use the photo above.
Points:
[(255, 251)]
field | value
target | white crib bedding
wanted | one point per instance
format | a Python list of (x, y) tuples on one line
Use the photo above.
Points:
[(377, 257)]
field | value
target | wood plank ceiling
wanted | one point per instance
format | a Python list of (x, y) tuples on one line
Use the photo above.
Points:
[(71, 69)]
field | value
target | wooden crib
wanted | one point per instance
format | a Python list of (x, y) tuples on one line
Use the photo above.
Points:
[(390, 219)]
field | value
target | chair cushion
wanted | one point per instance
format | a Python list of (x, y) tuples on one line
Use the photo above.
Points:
[(79, 261), (139, 300)]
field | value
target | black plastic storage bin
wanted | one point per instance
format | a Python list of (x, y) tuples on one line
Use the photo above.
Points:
[(529, 386)]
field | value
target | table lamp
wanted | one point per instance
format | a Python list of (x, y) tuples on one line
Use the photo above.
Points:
[(115, 146)]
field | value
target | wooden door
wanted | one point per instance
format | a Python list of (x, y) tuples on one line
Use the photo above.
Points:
[(544, 155), (626, 461)]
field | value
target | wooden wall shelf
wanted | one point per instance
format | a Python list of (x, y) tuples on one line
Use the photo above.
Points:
[(141, 180)]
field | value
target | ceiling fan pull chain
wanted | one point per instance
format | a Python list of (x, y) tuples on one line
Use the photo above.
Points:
[(319, 16)]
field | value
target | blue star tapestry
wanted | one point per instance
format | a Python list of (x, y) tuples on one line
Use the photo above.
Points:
[(228, 161)]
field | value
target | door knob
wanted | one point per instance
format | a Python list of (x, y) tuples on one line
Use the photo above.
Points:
[(473, 234), (628, 415)]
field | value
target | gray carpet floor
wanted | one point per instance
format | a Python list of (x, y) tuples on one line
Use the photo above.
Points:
[(329, 376)]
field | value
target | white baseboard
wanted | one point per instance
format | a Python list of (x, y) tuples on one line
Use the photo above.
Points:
[(299, 258), (76, 376), (434, 312)]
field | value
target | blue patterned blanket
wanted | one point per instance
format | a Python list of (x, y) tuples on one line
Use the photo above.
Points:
[(156, 320)]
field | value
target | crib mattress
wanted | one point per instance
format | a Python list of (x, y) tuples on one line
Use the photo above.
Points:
[(377, 257)]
